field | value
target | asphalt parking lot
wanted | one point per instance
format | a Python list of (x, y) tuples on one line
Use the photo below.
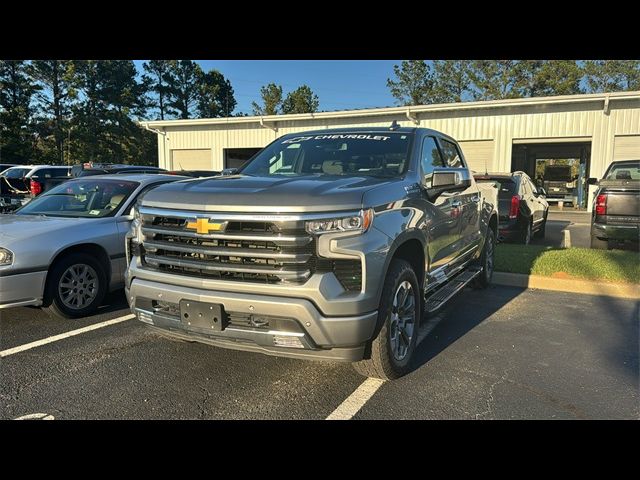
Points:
[(503, 353)]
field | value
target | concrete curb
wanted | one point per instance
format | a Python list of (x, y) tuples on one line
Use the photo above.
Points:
[(619, 290)]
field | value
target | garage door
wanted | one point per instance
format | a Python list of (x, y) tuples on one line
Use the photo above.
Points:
[(478, 154), (191, 159), (626, 147)]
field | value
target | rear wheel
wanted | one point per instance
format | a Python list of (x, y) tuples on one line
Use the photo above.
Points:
[(486, 261), (393, 348), (76, 286), (599, 244), (541, 232), (525, 237)]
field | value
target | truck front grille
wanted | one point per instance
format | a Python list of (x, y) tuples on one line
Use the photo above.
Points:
[(247, 250)]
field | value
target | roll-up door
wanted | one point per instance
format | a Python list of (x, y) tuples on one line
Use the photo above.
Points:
[(626, 147), (478, 154), (191, 159)]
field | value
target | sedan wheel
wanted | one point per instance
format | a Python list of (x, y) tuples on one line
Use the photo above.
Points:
[(76, 286)]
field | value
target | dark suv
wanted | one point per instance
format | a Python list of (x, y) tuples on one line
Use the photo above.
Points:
[(522, 206)]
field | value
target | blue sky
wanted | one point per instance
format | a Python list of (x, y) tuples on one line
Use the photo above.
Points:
[(339, 84)]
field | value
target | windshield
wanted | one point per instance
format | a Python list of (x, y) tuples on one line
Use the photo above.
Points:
[(558, 174), (345, 154), (624, 171), (16, 172), (81, 198)]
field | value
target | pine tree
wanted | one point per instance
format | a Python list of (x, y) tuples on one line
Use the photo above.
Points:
[(158, 80), (495, 79), (271, 100), (184, 86), (413, 84), (16, 112), (215, 96), (451, 81), (301, 100)]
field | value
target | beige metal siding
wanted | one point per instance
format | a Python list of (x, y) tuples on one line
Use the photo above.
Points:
[(626, 147), (478, 154), (191, 159)]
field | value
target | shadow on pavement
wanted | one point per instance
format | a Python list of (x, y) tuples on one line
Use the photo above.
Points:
[(451, 327), (113, 301)]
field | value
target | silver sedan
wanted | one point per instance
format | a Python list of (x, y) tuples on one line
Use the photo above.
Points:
[(65, 250)]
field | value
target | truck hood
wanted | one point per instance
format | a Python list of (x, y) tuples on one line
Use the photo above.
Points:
[(241, 193)]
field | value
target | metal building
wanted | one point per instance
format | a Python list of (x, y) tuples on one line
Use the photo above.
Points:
[(588, 131)]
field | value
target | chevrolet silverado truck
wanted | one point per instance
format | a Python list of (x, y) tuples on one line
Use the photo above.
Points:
[(616, 206), (332, 244)]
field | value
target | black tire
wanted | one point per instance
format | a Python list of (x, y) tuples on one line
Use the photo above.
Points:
[(541, 232), (383, 362), (599, 244), (96, 285), (486, 261), (525, 235)]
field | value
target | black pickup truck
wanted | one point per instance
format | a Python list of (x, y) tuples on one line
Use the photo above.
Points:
[(616, 207)]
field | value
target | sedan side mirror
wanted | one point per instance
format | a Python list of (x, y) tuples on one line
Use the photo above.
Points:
[(542, 192), (592, 181), (446, 180)]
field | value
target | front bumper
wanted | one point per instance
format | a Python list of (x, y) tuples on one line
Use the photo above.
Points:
[(319, 337), (621, 233), (22, 289)]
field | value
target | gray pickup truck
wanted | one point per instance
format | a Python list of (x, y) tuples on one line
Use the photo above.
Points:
[(616, 206), (332, 244)]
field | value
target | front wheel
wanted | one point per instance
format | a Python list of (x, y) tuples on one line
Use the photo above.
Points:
[(76, 286), (400, 307)]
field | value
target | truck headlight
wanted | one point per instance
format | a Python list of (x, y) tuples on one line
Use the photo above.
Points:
[(6, 256), (356, 223)]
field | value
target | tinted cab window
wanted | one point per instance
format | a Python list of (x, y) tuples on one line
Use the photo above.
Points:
[(452, 156), (430, 158)]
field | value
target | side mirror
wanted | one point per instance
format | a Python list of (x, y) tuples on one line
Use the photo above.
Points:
[(592, 181), (542, 192), (446, 180), (128, 217)]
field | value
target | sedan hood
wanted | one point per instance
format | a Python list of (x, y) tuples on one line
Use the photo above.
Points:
[(240, 193), (16, 229)]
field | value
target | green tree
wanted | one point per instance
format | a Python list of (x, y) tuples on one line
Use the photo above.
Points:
[(612, 75), (216, 96), (301, 100), (16, 112), (495, 79), (451, 81), (549, 77), (184, 87), (54, 96), (413, 84), (158, 80), (271, 100)]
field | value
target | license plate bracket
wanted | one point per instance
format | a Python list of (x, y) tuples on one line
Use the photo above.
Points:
[(202, 316)]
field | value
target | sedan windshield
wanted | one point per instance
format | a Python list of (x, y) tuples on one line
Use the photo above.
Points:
[(379, 154), (81, 198), (16, 172)]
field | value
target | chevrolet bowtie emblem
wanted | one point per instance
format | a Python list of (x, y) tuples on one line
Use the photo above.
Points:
[(203, 225)]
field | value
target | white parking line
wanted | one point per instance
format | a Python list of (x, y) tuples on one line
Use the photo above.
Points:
[(72, 333), (354, 402)]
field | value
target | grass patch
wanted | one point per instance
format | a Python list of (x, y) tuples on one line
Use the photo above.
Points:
[(583, 263)]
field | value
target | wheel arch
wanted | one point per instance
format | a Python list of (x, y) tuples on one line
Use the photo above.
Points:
[(93, 249)]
